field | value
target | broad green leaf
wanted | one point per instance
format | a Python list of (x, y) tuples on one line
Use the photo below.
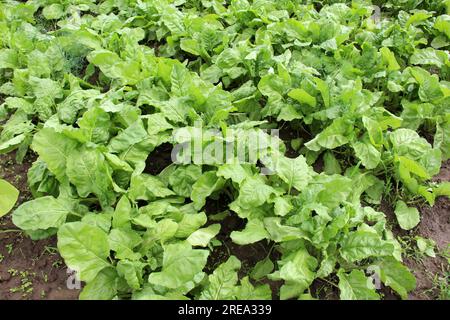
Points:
[(262, 269), (183, 179), (89, 172), (407, 218), (147, 187), (8, 197), (132, 271), (204, 187), (95, 125), (246, 291), (84, 249), (395, 275), (389, 58), (254, 192), (102, 287), (332, 137), (203, 236), (54, 148), (53, 11), (356, 286), (180, 265), (122, 214), (222, 282), (429, 56), (370, 157), (123, 242), (254, 231), (331, 164), (132, 135), (303, 97), (41, 214), (359, 245), (295, 172), (298, 272), (236, 172)]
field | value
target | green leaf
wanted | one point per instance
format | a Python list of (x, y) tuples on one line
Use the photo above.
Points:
[(254, 192), (131, 136), (132, 271), (395, 275), (429, 56), (282, 206), (54, 148), (222, 282), (123, 242), (95, 125), (298, 272), (147, 187), (246, 291), (331, 164), (389, 58), (359, 245), (41, 214), (282, 233), (88, 171), (102, 287), (236, 172), (84, 249), (262, 269), (407, 218), (356, 286), (8, 197), (370, 157), (426, 246), (203, 236), (303, 97), (331, 137), (181, 264), (122, 214), (254, 231), (204, 187), (53, 11), (295, 172), (183, 179)]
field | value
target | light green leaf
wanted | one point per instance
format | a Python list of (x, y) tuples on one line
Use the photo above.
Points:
[(254, 192), (254, 231), (370, 157), (102, 287), (204, 187), (41, 213), (295, 172), (88, 171), (222, 282), (183, 179), (181, 264), (407, 218), (54, 148), (8, 197), (203, 236), (84, 249), (395, 275), (303, 97), (356, 286), (359, 245)]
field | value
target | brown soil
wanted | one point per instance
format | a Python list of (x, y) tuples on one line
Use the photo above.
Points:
[(28, 269)]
